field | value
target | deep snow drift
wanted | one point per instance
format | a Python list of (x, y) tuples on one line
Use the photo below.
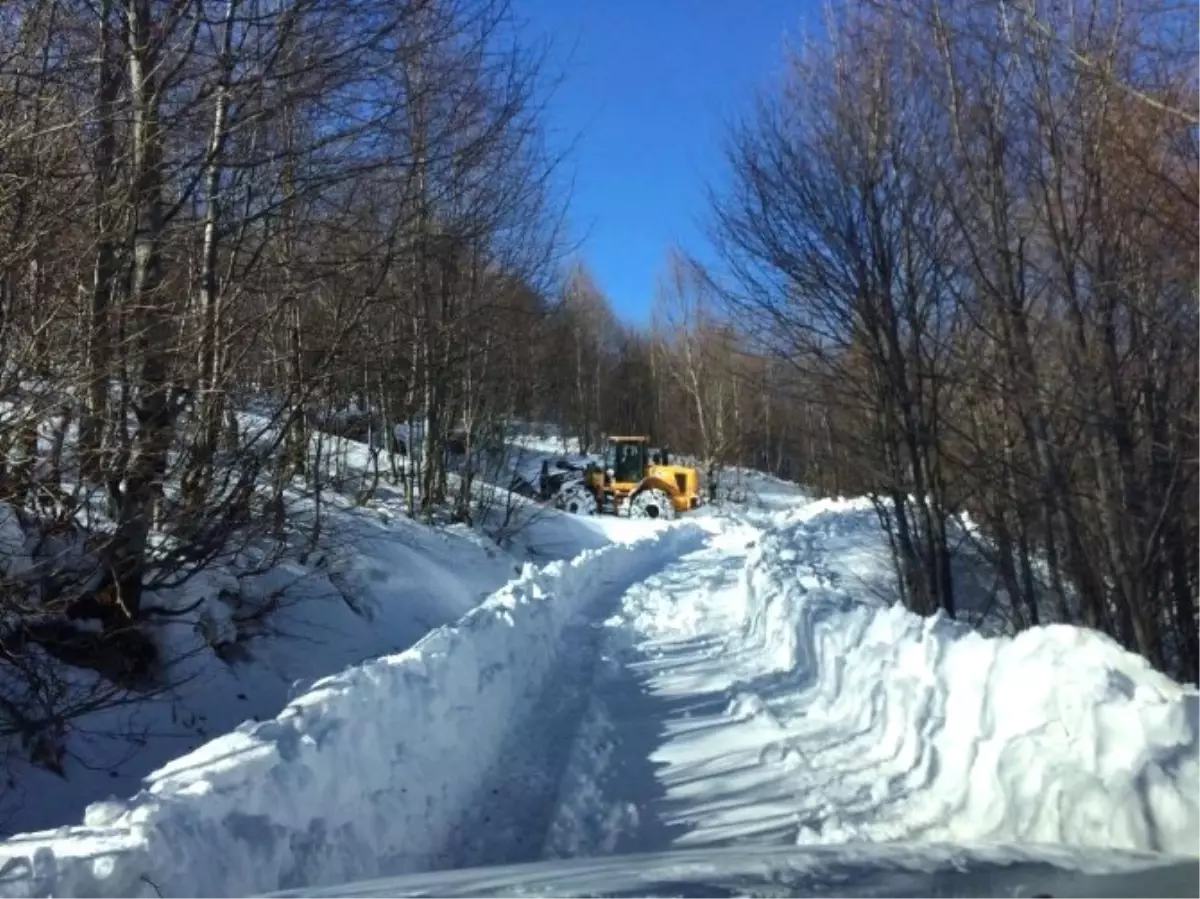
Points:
[(1057, 735), (379, 583), (727, 679), (777, 701)]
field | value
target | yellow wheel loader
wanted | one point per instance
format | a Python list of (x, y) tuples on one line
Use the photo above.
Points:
[(635, 479)]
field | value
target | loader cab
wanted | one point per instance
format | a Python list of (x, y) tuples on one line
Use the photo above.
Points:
[(625, 459)]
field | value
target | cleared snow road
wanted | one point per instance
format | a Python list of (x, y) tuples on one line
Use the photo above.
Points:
[(633, 746), (670, 753)]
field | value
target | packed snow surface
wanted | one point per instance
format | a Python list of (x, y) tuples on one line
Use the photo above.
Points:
[(819, 872), (721, 680)]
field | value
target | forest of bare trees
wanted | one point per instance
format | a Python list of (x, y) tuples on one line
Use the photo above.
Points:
[(969, 232), (222, 223)]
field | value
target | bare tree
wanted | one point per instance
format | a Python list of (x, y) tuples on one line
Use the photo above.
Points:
[(974, 244)]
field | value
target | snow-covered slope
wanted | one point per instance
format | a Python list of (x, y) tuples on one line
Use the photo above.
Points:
[(367, 772), (757, 489), (728, 679), (380, 583)]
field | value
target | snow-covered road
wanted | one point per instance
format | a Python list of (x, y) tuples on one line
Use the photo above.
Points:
[(727, 680), (670, 753), (649, 735)]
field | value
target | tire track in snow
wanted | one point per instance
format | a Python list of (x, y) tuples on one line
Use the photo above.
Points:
[(670, 744), (513, 810)]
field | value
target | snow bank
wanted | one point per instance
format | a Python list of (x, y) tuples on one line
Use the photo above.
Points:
[(367, 773), (756, 489), (923, 729), (379, 584)]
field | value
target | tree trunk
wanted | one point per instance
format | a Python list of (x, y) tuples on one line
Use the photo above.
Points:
[(155, 416)]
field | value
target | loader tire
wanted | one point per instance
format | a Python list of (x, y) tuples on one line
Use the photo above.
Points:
[(578, 501), (652, 503)]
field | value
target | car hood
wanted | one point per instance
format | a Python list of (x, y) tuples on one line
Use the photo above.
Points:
[(846, 870)]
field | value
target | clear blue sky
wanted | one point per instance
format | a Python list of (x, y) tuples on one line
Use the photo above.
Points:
[(648, 86)]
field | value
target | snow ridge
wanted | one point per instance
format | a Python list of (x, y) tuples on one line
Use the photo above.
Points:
[(367, 773), (921, 728)]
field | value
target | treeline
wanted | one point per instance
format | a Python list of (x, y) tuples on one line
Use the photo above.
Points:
[(224, 225), (216, 208), (688, 378), (969, 231)]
